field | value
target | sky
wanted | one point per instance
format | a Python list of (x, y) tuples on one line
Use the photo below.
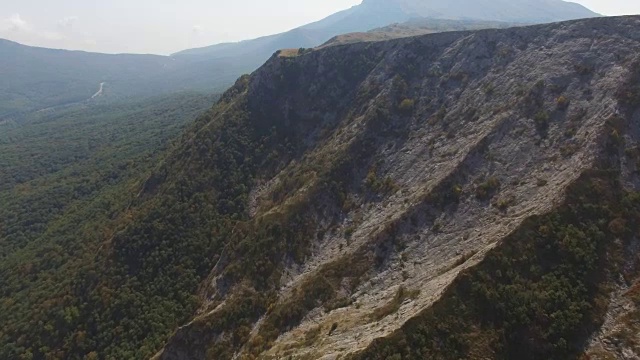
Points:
[(168, 26)]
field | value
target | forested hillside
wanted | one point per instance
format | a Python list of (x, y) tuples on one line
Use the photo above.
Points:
[(66, 176), (37, 78)]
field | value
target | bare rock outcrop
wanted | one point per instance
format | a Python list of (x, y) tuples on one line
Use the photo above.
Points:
[(413, 158)]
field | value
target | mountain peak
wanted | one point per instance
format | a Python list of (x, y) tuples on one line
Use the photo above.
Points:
[(528, 11)]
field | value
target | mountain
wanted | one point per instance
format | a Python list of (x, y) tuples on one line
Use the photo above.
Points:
[(527, 11), (373, 14), (457, 195), (468, 194), (415, 27), (36, 78), (39, 78)]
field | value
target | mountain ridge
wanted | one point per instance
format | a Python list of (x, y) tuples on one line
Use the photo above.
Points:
[(31, 84), (372, 14), (38, 78), (398, 178)]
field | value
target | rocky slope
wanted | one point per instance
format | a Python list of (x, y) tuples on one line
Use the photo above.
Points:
[(385, 170), (415, 27)]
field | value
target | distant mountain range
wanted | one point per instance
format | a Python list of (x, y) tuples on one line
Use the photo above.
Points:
[(378, 13), (37, 78)]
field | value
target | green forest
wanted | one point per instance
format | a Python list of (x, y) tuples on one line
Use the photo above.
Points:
[(66, 175)]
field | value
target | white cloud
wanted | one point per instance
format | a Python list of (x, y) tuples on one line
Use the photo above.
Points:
[(51, 35), (16, 23), (67, 23), (197, 29), (88, 41), (21, 30)]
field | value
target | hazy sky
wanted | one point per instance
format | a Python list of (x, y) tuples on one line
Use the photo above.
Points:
[(166, 26)]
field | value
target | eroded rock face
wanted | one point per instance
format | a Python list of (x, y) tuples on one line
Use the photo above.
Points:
[(406, 162)]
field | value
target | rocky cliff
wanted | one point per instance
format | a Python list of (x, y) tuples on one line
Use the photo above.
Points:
[(378, 178)]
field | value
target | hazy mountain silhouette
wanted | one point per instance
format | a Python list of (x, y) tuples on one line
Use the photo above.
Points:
[(377, 13), (37, 78)]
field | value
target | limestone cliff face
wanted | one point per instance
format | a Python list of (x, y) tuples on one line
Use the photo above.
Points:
[(400, 164)]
